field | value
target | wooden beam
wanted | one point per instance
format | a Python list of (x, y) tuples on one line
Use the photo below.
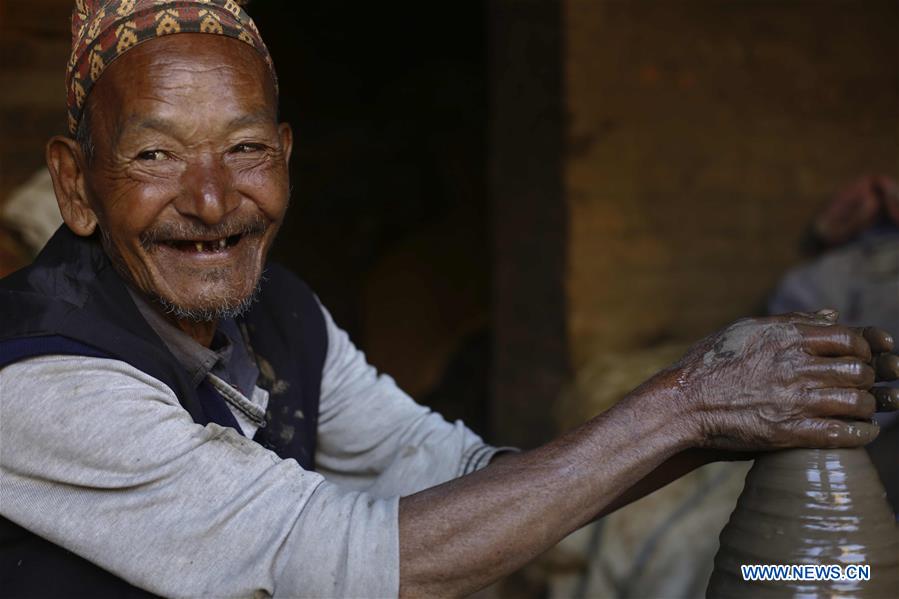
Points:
[(526, 137)]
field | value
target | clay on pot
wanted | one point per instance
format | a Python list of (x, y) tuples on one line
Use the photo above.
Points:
[(810, 506)]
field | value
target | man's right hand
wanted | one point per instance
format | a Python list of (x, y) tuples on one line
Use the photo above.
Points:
[(786, 381), (798, 380)]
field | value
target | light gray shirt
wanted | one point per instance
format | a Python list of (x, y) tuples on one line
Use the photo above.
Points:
[(101, 459)]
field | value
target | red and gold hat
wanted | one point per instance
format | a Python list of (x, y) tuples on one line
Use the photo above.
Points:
[(103, 30)]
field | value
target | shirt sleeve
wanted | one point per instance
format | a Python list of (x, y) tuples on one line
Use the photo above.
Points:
[(101, 459), (374, 437)]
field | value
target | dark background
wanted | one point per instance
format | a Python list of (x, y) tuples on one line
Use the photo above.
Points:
[(389, 107)]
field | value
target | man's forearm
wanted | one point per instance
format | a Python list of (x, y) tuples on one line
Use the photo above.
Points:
[(798, 380), (460, 536)]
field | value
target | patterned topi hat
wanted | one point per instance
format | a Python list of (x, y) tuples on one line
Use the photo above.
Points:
[(103, 30)]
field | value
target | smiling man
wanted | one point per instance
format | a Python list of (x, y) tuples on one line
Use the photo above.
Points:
[(182, 418), (189, 185)]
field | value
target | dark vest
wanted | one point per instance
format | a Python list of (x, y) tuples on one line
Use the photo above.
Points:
[(72, 301)]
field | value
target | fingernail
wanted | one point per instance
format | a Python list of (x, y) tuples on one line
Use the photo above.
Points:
[(886, 366), (828, 313)]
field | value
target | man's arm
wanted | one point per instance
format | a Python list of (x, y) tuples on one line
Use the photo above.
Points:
[(101, 459), (758, 385), (374, 437)]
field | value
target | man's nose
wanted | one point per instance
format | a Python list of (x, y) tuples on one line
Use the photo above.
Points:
[(208, 192)]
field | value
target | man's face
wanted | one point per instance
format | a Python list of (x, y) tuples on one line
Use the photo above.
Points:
[(189, 178)]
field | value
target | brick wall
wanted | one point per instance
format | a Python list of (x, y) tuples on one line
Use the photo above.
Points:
[(702, 136)]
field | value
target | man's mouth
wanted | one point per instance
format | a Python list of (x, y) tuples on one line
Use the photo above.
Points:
[(199, 240), (195, 246)]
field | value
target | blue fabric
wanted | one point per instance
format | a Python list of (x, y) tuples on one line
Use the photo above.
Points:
[(13, 350)]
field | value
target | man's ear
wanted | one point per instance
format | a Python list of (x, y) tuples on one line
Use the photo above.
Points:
[(286, 134), (65, 161)]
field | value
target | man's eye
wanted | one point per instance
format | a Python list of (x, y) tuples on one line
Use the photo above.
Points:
[(247, 148), (152, 155)]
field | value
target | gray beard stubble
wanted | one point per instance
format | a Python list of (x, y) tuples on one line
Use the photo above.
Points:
[(226, 307)]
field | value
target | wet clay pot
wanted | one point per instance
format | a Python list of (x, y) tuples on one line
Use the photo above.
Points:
[(810, 506)]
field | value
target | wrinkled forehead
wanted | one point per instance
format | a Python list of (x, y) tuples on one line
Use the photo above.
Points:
[(194, 80)]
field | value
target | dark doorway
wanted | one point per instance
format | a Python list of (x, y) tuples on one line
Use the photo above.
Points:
[(389, 220)]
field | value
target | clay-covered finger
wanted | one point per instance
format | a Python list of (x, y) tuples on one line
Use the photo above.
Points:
[(879, 340), (823, 317), (842, 403), (822, 373), (830, 432), (835, 341), (886, 367), (887, 398)]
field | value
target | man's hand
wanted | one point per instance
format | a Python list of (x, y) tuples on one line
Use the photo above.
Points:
[(797, 380), (855, 208)]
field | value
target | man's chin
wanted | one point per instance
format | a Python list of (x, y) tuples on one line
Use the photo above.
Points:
[(196, 287), (215, 297), (208, 311), (208, 294)]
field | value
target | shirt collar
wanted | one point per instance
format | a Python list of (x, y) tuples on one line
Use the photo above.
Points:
[(227, 357)]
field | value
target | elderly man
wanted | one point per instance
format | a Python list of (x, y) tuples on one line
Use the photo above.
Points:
[(180, 418)]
